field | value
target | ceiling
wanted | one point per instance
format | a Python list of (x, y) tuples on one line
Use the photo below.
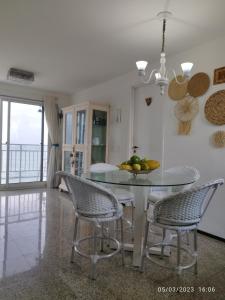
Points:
[(74, 44)]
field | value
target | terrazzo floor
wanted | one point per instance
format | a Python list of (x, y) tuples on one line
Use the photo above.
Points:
[(36, 228)]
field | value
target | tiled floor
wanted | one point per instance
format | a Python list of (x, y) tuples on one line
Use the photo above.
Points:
[(36, 228)]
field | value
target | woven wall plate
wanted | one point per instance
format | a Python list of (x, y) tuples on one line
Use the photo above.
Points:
[(177, 91), (184, 128), (186, 109), (198, 84), (218, 139), (215, 108)]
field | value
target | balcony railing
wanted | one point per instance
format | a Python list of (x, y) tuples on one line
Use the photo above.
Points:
[(26, 163)]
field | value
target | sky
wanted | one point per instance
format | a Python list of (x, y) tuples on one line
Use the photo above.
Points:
[(25, 124)]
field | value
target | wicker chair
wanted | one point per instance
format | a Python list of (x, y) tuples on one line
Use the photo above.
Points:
[(96, 204), (180, 212), (157, 194), (124, 196)]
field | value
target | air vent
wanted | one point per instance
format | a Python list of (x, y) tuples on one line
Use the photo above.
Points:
[(20, 76)]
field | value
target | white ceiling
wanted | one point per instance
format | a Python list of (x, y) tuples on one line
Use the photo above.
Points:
[(74, 44)]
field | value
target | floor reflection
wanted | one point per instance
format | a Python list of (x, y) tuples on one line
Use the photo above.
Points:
[(36, 230), (22, 231)]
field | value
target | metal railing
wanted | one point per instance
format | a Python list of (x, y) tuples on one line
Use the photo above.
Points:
[(25, 163)]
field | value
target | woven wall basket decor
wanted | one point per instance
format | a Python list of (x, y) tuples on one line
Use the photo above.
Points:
[(215, 108), (218, 139), (184, 128), (186, 109), (198, 84), (177, 91)]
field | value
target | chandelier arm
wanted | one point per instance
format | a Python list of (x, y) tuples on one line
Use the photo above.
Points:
[(150, 76), (177, 81)]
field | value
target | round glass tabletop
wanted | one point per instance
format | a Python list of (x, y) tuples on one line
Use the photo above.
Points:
[(155, 178)]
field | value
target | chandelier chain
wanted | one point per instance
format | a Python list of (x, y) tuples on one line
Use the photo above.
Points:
[(163, 35)]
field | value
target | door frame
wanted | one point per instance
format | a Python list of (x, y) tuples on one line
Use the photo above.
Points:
[(22, 185), (67, 147)]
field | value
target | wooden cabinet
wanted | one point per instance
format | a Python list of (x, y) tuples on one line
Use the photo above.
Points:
[(85, 137)]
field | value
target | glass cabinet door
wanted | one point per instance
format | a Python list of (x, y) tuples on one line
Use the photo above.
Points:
[(68, 128), (99, 135), (80, 140), (67, 161), (79, 162), (80, 127), (84, 136), (67, 146)]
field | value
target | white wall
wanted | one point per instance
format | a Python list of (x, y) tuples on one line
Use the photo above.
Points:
[(196, 149), (148, 123), (28, 92), (193, 150)]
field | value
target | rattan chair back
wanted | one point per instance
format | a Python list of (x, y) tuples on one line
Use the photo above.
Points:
[(90, 199), (186, 207), (188, 172)]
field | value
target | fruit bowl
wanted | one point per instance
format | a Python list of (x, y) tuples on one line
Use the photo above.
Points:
[(140, 172), (136, 165)]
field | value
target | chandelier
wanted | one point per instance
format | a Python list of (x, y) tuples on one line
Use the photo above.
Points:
[(161, 75)]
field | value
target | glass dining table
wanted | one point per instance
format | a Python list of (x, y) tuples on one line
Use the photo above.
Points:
[(141, 185)]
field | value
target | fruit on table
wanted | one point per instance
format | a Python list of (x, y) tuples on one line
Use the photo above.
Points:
[(144, 160), (144, 166), (124, 166), (136, 167), (135, 159), (137, 164), (153, 164)]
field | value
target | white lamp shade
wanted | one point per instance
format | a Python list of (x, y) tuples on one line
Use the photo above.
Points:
[(186, 67), (157, 75), (141, 65)]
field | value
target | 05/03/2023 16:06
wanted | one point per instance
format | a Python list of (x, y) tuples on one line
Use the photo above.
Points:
[(186, 289)]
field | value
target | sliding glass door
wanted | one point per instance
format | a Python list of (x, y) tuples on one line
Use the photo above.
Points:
[(23, 142)]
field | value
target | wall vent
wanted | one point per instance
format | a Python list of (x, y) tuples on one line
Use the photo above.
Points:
[(20, 76)]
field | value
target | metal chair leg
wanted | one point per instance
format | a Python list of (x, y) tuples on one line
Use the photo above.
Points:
[(145, 245), (187, 237), (162, 248), (178, 251), (117, 229), (74, 238), (132, 221), (108, 234), (94, 256), (102, 241), (122, 240), (195, 251), (132, 214)]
